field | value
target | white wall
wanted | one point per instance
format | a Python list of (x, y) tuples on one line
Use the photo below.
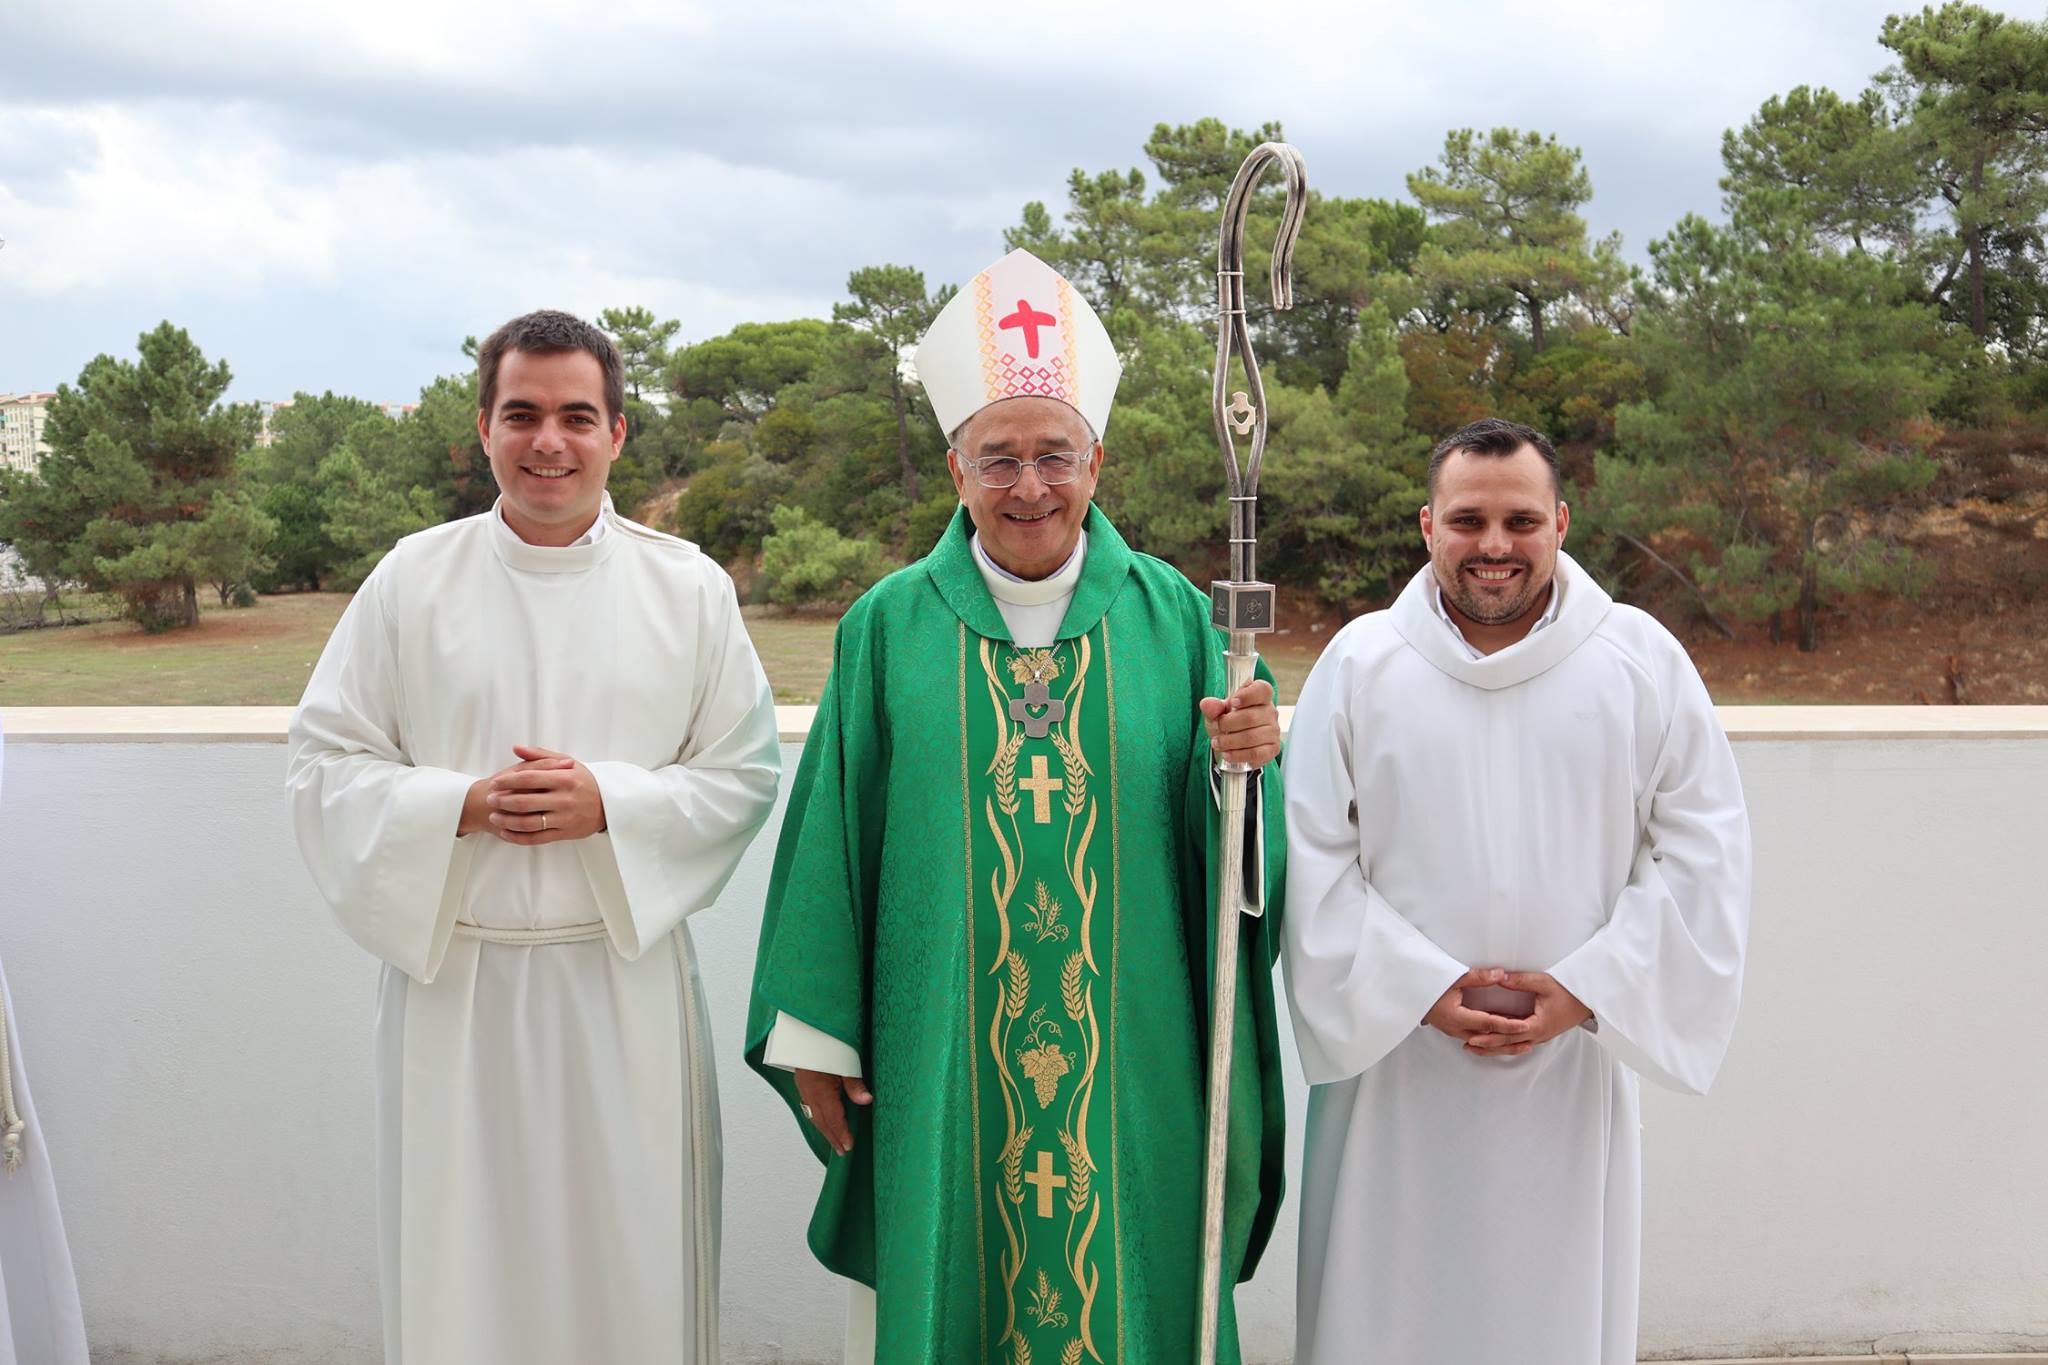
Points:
[(1868, 1171)]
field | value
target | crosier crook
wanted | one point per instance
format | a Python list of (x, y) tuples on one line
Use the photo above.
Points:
[(1243, 607)]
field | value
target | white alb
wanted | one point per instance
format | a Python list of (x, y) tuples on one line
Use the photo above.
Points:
[(1568, 804), (548, 1141)]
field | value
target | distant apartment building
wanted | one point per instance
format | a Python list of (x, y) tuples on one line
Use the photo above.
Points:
[(21, 430), (268, 411)]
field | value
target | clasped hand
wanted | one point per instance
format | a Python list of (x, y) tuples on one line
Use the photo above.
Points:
[(544, 797), (1246, 727), (1496, 1035)]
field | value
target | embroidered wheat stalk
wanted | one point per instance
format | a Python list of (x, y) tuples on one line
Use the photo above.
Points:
[(1070, 988), (1023, 1348), (1006, 772), (1045, 917), (1077, 772), (1044, 1306), (1020, 985), (1078, 1168), (1013, 1165), (1071, 1355)]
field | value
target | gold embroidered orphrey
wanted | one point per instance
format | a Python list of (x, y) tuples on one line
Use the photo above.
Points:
[(1043, 1030)]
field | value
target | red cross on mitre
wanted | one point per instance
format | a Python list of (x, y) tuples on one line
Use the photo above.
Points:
[(1029, 320)]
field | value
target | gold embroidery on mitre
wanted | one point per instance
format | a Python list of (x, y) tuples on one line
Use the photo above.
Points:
[(985, 327), (1067, 342)]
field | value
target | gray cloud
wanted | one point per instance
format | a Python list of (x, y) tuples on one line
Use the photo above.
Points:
[(332, 197)]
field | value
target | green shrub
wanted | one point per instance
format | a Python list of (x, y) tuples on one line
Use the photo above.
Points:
[(807, 561)]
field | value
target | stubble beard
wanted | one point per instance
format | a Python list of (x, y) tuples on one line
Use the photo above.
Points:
[(1495, 611)]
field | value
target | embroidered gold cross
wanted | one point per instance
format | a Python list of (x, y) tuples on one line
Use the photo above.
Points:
[(1041, 786), (1045, 1182), (1035, 694)]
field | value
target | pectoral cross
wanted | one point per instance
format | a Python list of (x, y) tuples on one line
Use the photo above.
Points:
[(1045, 1182), (1050, 710), (1041, 786)]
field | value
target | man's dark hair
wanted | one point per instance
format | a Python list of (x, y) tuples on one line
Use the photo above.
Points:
[(1495, 436), (549, 332)]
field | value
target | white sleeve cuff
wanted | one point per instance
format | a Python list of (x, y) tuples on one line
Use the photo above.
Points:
[(794, 1045)]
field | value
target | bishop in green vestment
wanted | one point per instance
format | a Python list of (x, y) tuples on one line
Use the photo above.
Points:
[(993, 901)]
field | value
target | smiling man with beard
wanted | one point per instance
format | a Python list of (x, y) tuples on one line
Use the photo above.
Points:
[(984, 964), (537, 740), (1518, 878)]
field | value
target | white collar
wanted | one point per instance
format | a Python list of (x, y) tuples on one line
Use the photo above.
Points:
[(591, 533), (1549, 613), (1005, 586), (1582, 606)]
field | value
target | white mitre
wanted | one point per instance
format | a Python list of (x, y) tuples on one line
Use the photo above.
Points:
[(1018, 329)]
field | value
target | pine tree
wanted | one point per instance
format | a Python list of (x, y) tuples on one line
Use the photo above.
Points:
[(138, 495)]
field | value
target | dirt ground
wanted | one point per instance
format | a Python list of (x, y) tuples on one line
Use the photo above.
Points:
[(1897, 657), (1893, 653)]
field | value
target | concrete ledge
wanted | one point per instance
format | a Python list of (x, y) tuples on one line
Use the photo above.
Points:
[(266, 724), (1885, 722), (214, 724), (1886, 1358)]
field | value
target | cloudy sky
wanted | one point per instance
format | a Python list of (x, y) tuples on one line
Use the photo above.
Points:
[(332, 196)]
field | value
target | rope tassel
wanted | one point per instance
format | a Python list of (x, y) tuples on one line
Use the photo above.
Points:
[(11, 1152)]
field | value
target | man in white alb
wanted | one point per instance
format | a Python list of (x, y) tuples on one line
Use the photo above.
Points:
[(1518, 878), (537, 740)]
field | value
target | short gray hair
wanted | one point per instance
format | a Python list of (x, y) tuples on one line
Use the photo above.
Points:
[(953, 436)]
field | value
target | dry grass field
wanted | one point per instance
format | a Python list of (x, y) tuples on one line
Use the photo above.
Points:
[(262, 655)]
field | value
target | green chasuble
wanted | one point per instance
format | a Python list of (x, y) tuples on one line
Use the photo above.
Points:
[(994, 882)]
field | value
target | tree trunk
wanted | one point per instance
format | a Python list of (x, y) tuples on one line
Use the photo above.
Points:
[(1705, 606), (903, 441), (1809, 599), (191, 602), (1536, 324), (1978, 325)]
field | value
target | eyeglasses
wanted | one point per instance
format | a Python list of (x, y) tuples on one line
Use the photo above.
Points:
[(1003, 471)]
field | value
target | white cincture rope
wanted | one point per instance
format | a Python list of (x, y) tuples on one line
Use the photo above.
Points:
[(10, 1120), (531, 938)]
